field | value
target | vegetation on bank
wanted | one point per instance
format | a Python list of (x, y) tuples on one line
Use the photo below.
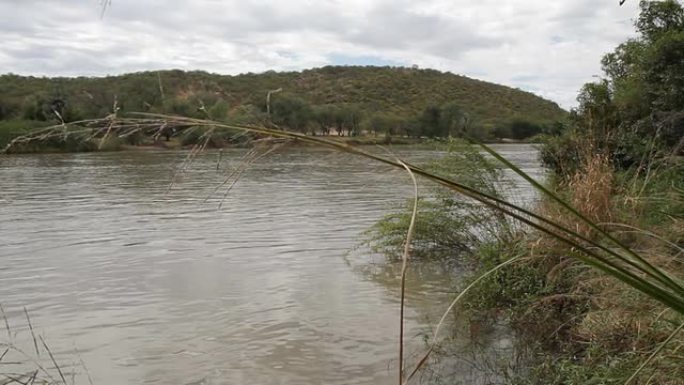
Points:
[(343, 101), (620, 166)]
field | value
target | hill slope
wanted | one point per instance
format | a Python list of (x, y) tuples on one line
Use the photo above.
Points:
[(400, 92)]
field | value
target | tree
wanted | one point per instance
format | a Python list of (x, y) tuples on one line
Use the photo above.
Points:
[(596, 107), (522, 129), (181, 107), (638, 109), (246, 114), (383, 123), (664, 64), (291, 112), (659, 17), (430, 121), (621, 63), (453, 121), (219, 111), (348, 117), (325, 117)]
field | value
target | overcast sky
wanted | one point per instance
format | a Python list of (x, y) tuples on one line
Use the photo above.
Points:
[(549, 47)]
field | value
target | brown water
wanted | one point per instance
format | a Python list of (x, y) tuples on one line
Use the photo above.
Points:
[(156, 287)]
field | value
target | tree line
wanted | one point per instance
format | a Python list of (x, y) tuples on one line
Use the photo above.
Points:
[(349, 101), (289, 112)]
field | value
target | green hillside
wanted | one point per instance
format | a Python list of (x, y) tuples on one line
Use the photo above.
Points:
[(392, 100)]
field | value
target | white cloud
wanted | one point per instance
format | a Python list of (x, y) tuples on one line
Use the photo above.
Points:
[(547, 47)]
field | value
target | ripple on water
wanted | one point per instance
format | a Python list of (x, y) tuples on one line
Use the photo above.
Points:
[(153, 287)]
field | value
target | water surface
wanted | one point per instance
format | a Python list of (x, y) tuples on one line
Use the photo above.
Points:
[(157, 286)]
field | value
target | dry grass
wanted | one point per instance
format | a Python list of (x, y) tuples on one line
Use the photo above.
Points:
[(591, 190)]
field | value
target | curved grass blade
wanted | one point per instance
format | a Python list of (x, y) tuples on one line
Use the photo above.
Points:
[(404, 268)]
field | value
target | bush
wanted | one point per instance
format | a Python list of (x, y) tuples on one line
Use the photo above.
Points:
[(447, 227), (11, 129)]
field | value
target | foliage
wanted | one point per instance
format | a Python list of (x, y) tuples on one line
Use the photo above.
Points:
[(521, 129), (291, 112), (638, 109), (447, 228), (341, 100), (10, 129)]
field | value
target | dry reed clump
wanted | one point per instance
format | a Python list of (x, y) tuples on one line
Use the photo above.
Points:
[(592, 190), (589, 191)]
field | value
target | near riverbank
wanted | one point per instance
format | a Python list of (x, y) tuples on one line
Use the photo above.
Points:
[(590, 278)]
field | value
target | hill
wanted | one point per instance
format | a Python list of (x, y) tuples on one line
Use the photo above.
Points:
[(393, 97)]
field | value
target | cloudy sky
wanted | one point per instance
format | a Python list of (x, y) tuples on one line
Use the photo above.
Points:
[(550, 47)]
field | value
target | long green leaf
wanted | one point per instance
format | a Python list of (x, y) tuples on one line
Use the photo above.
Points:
[(642, 262)]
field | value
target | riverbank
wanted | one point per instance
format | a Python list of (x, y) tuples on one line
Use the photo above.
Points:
[(570, 322), (573, 323), (589, 279), (27, 137), (178, 144)]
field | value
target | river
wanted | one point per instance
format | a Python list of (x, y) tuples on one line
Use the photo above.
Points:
[(150, 285)]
